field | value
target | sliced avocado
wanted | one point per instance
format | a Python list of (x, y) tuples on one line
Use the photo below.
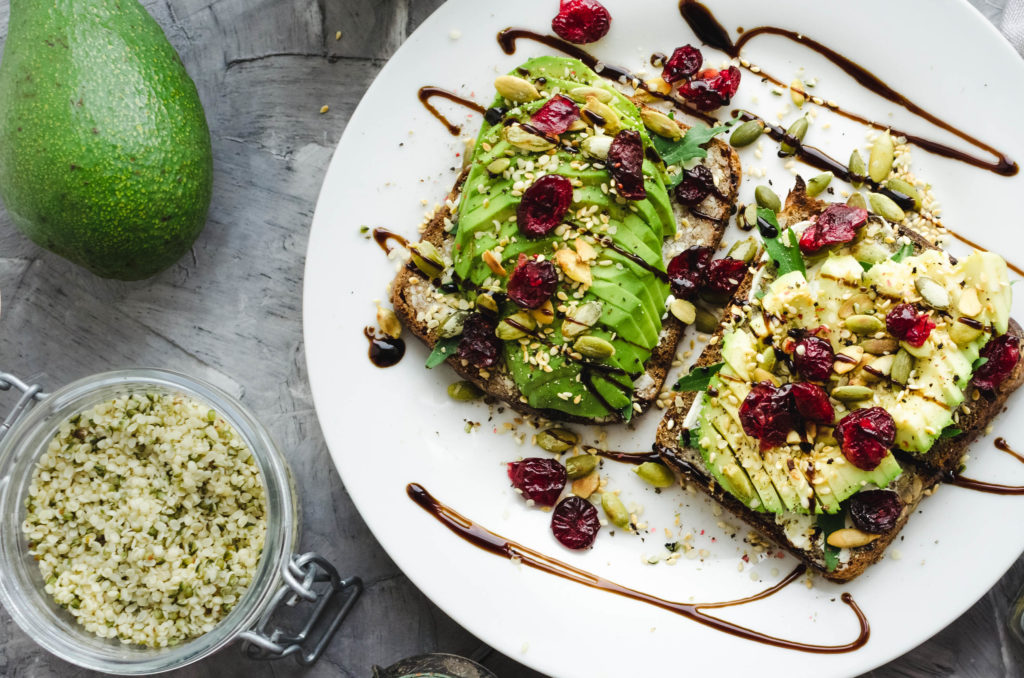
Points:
[(746, 456), (723, 465), (739, 352), (987, 273)]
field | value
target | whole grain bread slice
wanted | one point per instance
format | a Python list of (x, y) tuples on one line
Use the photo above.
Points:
[(703, 224), (920, 475)]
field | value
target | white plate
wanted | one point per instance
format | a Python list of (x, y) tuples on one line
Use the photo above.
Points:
[(386, 428)]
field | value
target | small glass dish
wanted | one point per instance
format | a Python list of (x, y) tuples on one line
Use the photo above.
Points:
[(281, 577)]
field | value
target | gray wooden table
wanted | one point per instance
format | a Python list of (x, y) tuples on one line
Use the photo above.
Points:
[(231, 313)]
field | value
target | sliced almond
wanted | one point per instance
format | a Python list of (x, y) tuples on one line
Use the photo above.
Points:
[(653, 87), (970, 304), (516, 89), (388, 322), (573, 266), (853, 356), (585, 250), (493, 262), (585, 486), (850, 537), (545, 315)]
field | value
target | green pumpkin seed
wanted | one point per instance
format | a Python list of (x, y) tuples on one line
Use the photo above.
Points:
[(580, 466), (798, 130), (885, 207), (767, 359), (883, 153), (453, 324), (655, 474), (487, 302), (706, 321), (581, 93), (749, 217), (581, 318), (747, 133), (963, 334), (516, 89), (934, 294), (819, 183), (527, 141), (660, 124), (858, 168), (683, 310), (880, 346), (594, 347), (745, 250), (614, 509), (521, 323), (906, 189), (851, 394), (427, 258), (557, 440), (600, 114), (901, 367), (464, 391), (858, 303), (857, 200), (864, 324), (767, 199), (498, 166)]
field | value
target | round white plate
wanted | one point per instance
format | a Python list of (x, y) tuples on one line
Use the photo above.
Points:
[(390, 427)]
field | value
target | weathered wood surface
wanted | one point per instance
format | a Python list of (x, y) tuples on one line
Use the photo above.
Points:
[(231, 313)]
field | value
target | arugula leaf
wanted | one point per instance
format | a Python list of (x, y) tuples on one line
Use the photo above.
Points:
[(444, 348), (689, 147), (698, 378), (829, 523), (978, 363), (903, 252), (627, 412), (786, 257), (865, 265), (692, 439), (950, 432)]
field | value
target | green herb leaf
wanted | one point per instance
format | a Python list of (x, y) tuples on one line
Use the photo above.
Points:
[(829, 523), (865, 265), (978, 363), (950, 432), (698, 379), (689, 147), (691, 439), (627, 412), (444, 348), (903, 252), (787, 257)]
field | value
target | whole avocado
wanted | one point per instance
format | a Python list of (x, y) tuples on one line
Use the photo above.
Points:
[(105, 152)]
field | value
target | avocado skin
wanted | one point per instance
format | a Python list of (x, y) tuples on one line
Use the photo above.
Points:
[(105, 154)]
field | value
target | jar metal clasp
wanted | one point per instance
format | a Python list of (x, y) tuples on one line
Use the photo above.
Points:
[(29, 394)]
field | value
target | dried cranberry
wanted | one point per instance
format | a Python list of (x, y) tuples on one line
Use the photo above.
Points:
[(625, 162), (543, 206), (1003, 352), (906, 324), (813, 358), (724, 276), (811, 402), (683, 64), (575, 523), (479, 346), (712, 89), (686, 270), (541, 480), (767, 414), (556, 116), (865, 436), (532, 282), (836, 225), (696, 185), (581, 21), (876, 511)]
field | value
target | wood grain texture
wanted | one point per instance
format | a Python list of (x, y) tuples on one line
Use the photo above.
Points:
[(231, 313)]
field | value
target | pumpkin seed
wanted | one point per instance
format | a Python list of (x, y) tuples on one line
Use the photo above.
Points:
[(527, 141), (851, 394), (594, 347), (857, 200), (427, 258), (922, 351), (579, 466), (798, 130), (601, 114), (767, 198), (969, 303), (581, 318), (614, 509), (515, 326), (557, 440), (819, 183), (849, 538), (453, 324), (796, 92), (906, 189), (464, 391), (653, 473), (934, 294), (880, 346), (886, 207), (767, 359), (963, 334), (487, 302), (582, 93), (864, 324), (499, 165), (745, 250), (858, 169), (901, 367), (761, 374), (749, 217), (660, 124), (747, 133), (683, 310), (388, 322), (597, 146), (858, 303), (880, 160), (516, 89), (706, 321)]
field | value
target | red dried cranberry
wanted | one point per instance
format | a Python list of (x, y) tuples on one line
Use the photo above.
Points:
[(906, 324), (532, 282), (876, 511), (683, 64), (712, 89), (723, 276), (575, 523), (813, 358), (686, 270), (556, 116), (543, 206), (836, 225), (479, 346), (696, 185), (626, 162), (1003, 352), (581, 21), (811, 402), (767, 414), (541, 480), (865, 437)]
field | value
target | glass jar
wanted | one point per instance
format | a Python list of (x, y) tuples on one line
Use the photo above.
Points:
[(280, 578)]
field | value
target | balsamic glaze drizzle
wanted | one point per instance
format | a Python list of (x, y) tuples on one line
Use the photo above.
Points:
[(425, 94), (384, 351)]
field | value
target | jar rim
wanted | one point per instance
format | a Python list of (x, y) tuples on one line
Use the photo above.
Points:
[(21, 590)]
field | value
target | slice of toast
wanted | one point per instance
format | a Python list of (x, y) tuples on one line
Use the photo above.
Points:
[(704, 224), (920, 474)]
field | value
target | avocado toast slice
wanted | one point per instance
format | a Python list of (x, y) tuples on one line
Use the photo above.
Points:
[(598, 347), (802, 488)]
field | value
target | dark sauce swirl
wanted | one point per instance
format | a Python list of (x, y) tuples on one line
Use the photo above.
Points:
[(427, 93)]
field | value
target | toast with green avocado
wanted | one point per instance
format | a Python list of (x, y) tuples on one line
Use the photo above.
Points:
[(543, 279), (854, 367)]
